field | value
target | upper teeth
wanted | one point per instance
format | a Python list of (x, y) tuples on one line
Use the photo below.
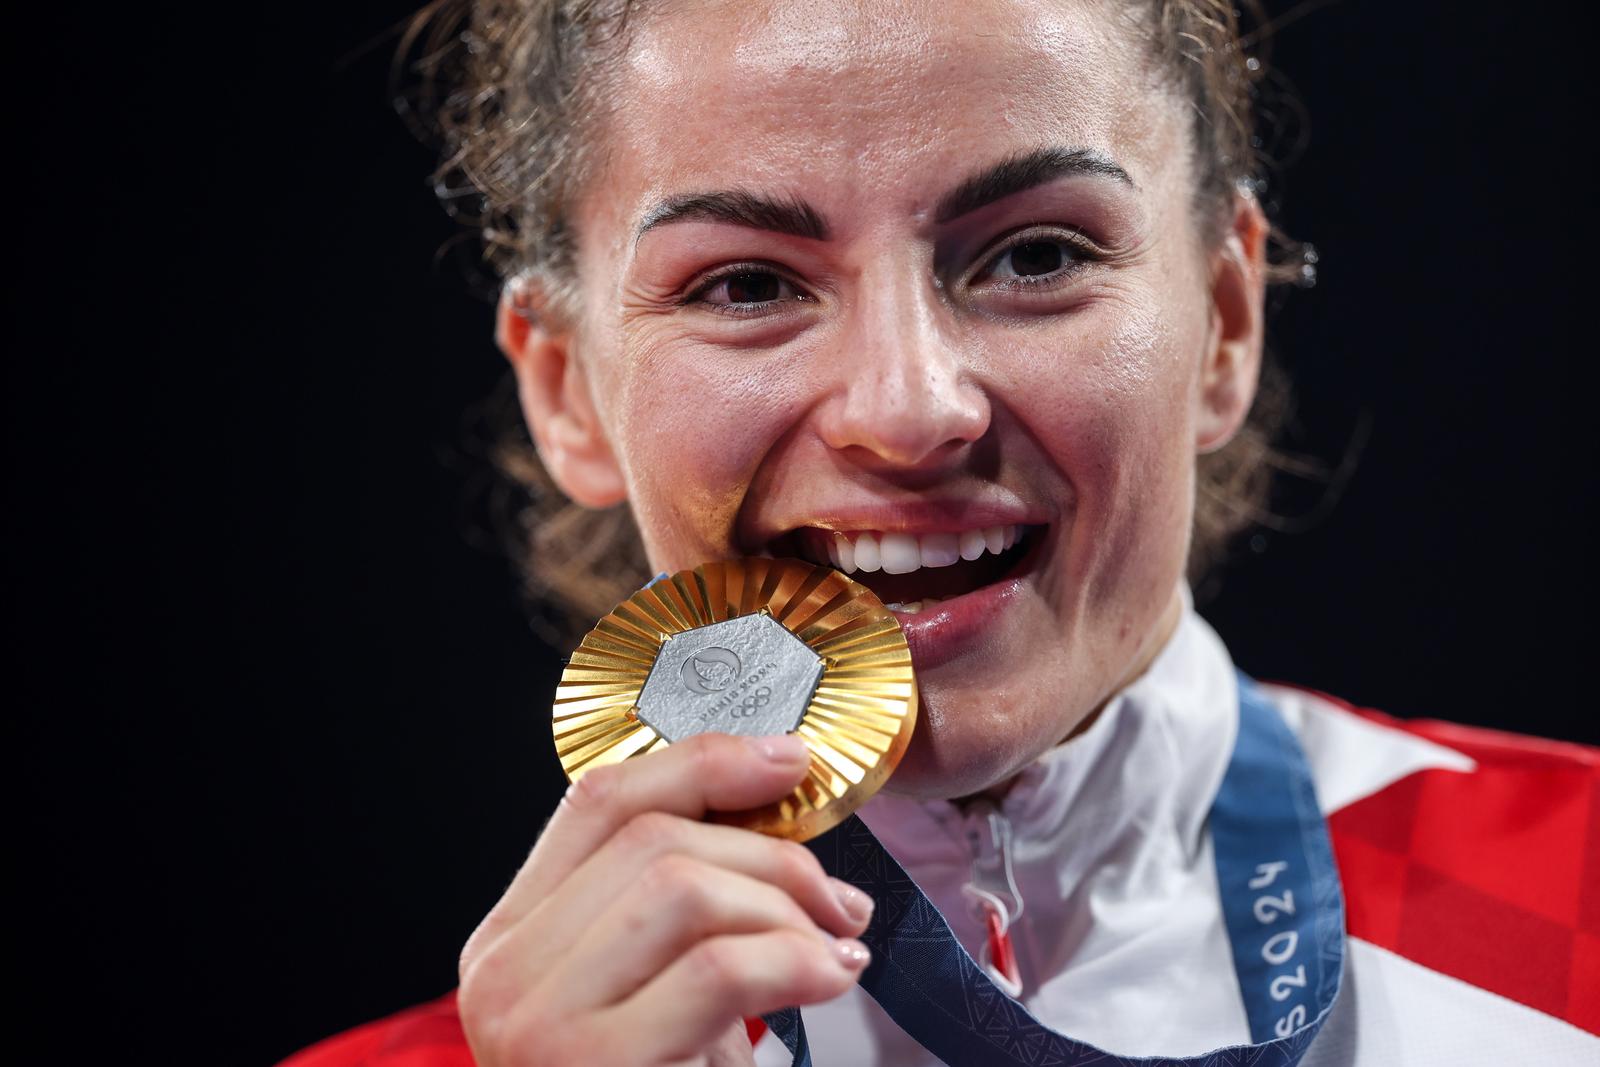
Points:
[(901, 553)]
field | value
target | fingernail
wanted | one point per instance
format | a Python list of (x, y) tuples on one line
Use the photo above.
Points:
[(851, 954), (856, 904), (785, 749)]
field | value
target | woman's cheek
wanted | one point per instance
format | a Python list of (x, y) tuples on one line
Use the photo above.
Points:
[(693, 426), (1148, 497), (1096, 389), (1111, 410)]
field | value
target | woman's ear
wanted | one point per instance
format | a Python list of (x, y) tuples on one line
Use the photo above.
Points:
[(554, 392), (1231, 364)]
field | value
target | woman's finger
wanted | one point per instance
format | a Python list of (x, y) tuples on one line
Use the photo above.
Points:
[(733, 1049), (710, 772), (686, 1008), (675, 904), (632, 851)]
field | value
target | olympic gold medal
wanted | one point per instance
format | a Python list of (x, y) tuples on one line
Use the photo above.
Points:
[(753, 647)]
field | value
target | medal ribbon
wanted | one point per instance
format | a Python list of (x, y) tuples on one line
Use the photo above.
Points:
[(1281, 903)]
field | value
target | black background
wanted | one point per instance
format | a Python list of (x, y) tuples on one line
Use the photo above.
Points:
[(278, 727)]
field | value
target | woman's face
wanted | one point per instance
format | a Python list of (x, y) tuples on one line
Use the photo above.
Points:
[(887, 277)]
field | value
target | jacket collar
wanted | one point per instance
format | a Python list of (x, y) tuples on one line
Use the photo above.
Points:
[(1144, 773)]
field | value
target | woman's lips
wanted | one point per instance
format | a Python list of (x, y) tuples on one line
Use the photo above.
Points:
[(940, 632), (946, 584)]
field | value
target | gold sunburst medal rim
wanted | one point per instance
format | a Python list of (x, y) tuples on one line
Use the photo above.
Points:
[(857, 724)]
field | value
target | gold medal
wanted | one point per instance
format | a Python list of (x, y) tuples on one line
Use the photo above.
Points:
[(753, 647)]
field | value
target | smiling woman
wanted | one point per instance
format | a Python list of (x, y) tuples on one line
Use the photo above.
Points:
[(517, 101), (965, 301)]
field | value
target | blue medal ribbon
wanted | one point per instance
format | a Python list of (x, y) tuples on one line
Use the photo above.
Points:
[(1281, 903)]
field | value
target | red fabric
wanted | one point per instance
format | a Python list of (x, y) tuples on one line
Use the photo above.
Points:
[(428, 1035), (1490, 876)]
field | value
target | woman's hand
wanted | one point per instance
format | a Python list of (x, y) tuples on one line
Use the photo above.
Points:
[(636, 934)]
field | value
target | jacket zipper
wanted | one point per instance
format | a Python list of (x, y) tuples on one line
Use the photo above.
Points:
[(993, 890)]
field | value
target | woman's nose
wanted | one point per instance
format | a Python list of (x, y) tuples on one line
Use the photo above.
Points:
[(905, 397)]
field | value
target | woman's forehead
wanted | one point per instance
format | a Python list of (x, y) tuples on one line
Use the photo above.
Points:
[(876, 100)]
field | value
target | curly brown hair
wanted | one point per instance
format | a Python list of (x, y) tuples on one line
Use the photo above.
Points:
[(505, 88)]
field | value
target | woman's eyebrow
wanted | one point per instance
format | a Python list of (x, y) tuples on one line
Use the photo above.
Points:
[(1022, 172), (797, 218), (792, 216)]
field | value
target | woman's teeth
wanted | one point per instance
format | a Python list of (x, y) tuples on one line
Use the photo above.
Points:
[(901, 553)]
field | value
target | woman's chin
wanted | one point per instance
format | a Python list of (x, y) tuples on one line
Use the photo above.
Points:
[(960, 753), (930, 780)]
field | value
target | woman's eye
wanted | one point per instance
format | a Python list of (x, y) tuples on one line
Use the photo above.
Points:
[(1032, 261), (746, 290)]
